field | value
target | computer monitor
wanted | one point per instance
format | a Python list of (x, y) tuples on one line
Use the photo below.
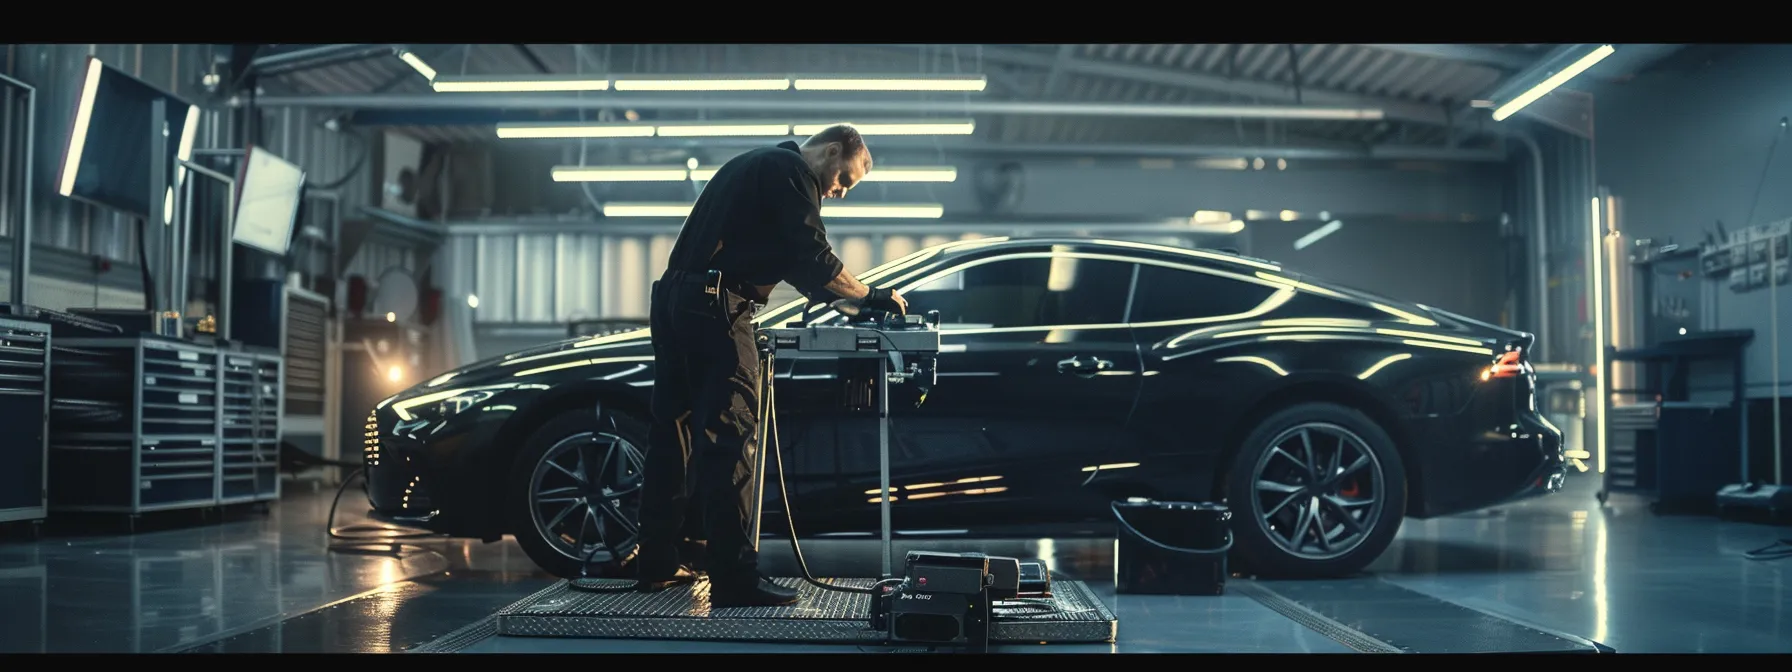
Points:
[(267, 201), (106, 161)]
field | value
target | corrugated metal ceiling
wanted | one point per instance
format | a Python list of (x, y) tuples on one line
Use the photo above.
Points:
[(1370, 72)]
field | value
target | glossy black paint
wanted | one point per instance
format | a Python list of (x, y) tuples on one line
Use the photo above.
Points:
[(1134, 373)]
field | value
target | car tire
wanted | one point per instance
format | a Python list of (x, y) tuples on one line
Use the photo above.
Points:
[(1271, 492), (559, 438)]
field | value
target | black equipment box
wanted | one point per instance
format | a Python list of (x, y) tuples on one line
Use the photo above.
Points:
[(1171, 548), (945, 598)]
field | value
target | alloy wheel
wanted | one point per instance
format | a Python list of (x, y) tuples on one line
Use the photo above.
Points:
[(1319, 491), (585, 497)]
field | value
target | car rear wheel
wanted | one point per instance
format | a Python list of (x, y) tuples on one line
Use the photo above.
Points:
[(1316, 490), (573, 495)]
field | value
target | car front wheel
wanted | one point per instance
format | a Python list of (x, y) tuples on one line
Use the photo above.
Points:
[(573, 495), (1316, 490)]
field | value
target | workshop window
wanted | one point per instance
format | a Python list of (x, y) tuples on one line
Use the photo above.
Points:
[(1035, 292), (1173, 294)]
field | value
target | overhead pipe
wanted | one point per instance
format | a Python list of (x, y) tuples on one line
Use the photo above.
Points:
[(437, 101), (1541, 243)]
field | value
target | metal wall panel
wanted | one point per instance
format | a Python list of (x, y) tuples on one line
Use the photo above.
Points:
[(535, 287), (56, 70)]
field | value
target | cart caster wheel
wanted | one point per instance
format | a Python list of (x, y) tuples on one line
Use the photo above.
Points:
[(37, 530), (263, 508), (1602, 496)]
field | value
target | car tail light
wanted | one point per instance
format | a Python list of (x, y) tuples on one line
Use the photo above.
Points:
[(1509, 364)]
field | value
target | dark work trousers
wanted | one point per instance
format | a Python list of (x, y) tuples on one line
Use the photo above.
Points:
[(705, 417)]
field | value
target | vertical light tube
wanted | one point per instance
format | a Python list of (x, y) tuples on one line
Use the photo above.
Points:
[(1596, 244)]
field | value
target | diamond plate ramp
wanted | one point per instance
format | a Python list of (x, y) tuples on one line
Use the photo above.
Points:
[(611, 611)]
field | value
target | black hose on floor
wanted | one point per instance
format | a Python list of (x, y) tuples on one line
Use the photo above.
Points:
[(369, 539)]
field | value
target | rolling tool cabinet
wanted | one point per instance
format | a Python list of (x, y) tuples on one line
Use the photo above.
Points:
[(133, 425), (24, 410)]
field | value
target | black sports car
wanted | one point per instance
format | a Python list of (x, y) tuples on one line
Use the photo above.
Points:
[(1072, 373)]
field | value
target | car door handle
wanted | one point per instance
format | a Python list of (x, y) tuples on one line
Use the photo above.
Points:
[(1084, 365)]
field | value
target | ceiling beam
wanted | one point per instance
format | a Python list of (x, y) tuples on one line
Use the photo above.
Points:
[(1466, 53), (811, 107), (315, 57)]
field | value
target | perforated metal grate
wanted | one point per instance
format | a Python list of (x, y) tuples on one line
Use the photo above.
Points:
[(1074, 614)]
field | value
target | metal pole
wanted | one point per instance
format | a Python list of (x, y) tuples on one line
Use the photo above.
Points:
[(225, 250), (158, 188), (883, 457), (21, 257), (764, 432), (183, 244), (21, 236), (226, 266)]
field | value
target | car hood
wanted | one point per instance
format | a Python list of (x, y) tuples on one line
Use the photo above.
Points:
[(551, 357)]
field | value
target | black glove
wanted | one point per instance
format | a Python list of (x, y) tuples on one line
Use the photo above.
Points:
[(879, 299)]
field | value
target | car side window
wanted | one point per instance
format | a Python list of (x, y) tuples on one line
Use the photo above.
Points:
[(1166, 294), (1029, 292)]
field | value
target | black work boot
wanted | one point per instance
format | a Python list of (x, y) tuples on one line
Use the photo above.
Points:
[(753, 592), (660, 581)]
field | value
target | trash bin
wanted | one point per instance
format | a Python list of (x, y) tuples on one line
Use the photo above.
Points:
[(1171, 548)]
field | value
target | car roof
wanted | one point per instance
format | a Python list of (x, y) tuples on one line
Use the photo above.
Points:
[(1206, 257)]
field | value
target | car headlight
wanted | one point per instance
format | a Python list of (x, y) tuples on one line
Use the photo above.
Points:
[(443, 404), (458, 403)]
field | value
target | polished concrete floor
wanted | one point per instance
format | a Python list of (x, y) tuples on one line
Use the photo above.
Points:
[(265, 582)]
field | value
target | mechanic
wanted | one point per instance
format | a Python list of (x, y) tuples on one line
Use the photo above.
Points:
[(757, 223)]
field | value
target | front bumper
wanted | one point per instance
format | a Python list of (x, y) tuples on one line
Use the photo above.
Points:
[(398, 472)]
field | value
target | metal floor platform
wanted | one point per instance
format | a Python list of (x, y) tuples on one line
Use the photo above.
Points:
[(1073, 615)]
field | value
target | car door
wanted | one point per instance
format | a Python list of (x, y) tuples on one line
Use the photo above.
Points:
[(1036, 377), (1184, 396)]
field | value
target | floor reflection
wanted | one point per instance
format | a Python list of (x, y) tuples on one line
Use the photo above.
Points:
[(255, 582), (87, 586)]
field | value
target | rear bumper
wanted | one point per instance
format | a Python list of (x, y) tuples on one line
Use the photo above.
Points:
[(1493, 466)]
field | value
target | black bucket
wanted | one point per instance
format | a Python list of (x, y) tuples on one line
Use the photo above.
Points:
[(1171, 548)]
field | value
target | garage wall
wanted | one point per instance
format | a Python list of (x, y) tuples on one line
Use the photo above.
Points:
[(68, 235), (1684, 148)]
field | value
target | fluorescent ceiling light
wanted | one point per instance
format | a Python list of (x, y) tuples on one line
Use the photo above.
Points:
[(913, 174), (716, 130), (83, 119), (1317, 234), (966, 83), (726, 129), (531, 84), (417, 64), (647, 209), (575, 131), (620, 174), (930, 127), (1233, 226), (893, 174), (856, 211), (680, 83), (1513, 106), (884, 211), (893, 83)]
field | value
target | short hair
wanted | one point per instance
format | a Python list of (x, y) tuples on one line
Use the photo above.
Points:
[(852, 144)]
